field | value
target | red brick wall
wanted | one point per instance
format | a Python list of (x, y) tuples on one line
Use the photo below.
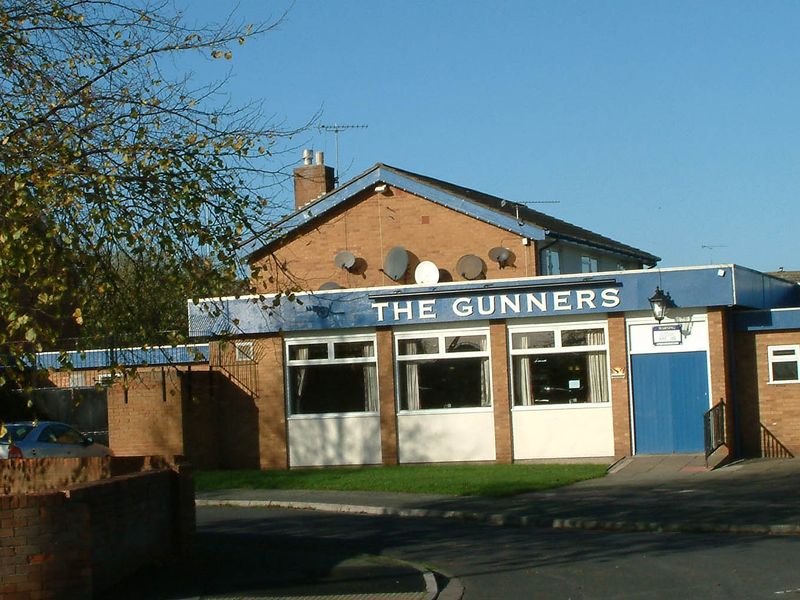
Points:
[(272, 436), (149, 418), (44, 474), (45, 548), (620, 400), (388, 408), (769, 414), (719, 362), (501, 397), (370, 225), (75, 543)]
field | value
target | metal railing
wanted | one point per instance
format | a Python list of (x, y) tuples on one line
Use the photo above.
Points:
[(771, 446), (714, 428), (242, 371)]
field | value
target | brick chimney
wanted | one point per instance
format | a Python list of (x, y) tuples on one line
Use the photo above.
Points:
[(312, 181)]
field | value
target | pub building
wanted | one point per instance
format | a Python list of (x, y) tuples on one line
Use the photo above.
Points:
[(428, 323)]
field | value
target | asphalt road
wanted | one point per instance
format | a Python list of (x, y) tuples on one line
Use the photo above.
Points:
[(495, 562)]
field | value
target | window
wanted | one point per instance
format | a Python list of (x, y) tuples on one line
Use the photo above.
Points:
[(559, 365), (244, 351), (443, 370), (60, 434), (338, 375), (784, 364), (588, 264), (552, 262)]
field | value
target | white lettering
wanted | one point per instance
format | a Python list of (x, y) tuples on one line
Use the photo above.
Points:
[(507, 303), (540, 302), (426, 309), (585, 297), (561, 301), (407, 310), (610, 297), (486, 310), (462, 307), (380, 306)]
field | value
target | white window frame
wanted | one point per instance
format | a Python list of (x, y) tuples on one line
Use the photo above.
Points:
[(593, 261), (330, 340), (558, 348), (548, 263), (772, 359), (441, 334), (244, 352)]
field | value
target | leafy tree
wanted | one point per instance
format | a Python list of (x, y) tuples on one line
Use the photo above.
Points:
[(148, 303), (107, 161)]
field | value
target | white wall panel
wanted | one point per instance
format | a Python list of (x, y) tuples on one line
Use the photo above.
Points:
[(569, 432), (334, 440), (446, 437)]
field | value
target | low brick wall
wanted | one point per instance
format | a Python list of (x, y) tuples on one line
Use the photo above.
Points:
[(76, 542)]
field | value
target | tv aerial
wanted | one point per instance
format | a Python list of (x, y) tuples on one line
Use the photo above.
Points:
[(336, 129), (711, 248)]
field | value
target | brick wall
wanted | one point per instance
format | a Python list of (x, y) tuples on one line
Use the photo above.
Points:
[(620, 399), (501, 396), (720, 374), (74, 543), (181, 411), (272, 435), (386, 392), (45, 549), (45, 474), (370, 225), (769, 414)]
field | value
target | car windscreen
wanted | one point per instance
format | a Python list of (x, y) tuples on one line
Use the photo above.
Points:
[(14, 433)]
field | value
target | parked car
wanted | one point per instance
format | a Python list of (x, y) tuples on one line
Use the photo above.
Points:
[(39, 439)]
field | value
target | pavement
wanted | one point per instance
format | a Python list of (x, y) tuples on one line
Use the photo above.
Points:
[(674, 493)]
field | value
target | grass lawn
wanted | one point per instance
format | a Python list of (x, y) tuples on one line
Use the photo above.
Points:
[(453, 480)]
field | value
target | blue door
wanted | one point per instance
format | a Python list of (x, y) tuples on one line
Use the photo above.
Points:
[(670, 395)]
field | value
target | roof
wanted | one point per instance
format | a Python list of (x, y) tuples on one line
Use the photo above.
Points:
[(793, 276), (505, 214)]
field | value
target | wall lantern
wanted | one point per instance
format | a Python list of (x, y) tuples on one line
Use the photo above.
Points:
[(659, 302)]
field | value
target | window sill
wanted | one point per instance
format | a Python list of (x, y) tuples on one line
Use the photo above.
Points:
[(788, 382), (447, 411), (341, 415), (564, 406)]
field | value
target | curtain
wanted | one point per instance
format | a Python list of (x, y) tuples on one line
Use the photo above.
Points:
[(523, 376), (412, 378), (486, 396), (370, 383), (302, 375), (596, 366)]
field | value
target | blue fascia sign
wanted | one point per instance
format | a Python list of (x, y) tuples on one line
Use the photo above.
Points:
[(494, 306), (579, 294)]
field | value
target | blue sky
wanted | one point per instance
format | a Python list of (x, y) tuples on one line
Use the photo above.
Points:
[(665, 125)]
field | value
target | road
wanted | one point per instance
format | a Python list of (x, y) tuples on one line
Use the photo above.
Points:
[(501, 562)]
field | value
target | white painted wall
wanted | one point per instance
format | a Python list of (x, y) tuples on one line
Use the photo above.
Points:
[(446, 436), (334, 440), (571, 432), (694, 334)]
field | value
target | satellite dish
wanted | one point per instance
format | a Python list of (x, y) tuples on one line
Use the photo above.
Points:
[(396, 263), (469, 266), (330, 285), (426, 272), (500, 255), (345, 260)]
